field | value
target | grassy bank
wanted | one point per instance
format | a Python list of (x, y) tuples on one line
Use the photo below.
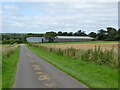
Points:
[(5, 44), (82, 42), (9, 69), (0, 69), (92, 75)]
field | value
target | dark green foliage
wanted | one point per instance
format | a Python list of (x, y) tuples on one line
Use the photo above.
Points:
[(50, 36)]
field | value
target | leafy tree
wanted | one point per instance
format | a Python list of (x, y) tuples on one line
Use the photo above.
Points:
[(64, 34), (59, 33), (92, 34), (70, 34), (50, 36), (111, 33), (102, 34), (80, 33)]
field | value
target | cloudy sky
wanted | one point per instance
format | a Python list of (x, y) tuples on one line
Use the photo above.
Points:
[(41, 17)]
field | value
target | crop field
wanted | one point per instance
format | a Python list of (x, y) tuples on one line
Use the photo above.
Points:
[(101, 53), (85, 46)]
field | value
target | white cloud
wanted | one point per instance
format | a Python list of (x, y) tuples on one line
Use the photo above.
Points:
[(10, 7), (62, 16), (60, 0)]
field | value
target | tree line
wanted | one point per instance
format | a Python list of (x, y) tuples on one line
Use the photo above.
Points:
[(110, 34)]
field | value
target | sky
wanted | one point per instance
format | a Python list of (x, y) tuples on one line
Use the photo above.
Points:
[(41, 17)]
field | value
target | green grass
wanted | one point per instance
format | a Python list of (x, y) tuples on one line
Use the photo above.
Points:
[(0, 70), (9, 68), (90, 74), (82, 42)]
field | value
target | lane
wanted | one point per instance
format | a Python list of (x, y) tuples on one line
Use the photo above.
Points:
[(34, 72)]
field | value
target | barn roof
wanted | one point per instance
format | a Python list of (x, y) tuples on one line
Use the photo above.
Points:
[(34, 37), (74, 37)]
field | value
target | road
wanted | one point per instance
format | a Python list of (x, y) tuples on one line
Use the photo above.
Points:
[(34, 72)]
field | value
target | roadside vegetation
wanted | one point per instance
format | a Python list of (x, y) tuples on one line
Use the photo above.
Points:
[(96, 54), (81, 42), (0, 69), (10, 58), (94, 67)]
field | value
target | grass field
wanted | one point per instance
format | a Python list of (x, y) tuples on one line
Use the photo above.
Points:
[(90, 74), (9, 68)]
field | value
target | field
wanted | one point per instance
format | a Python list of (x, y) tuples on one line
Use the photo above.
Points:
[(81, 42), (85, 45)]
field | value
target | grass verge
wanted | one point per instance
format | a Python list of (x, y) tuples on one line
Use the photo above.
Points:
[(6, 45), (90, 74), (81, 42), (9, 69)]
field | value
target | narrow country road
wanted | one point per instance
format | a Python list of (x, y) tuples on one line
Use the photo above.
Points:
[(34, 72)]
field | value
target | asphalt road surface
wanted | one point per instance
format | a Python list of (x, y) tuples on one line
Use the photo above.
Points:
[(34, 72)]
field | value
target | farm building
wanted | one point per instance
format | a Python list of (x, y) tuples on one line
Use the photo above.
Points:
[(60, 39), (36, 39), (72, 38)]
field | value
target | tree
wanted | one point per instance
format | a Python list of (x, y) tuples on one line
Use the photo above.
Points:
[(102, 34), (118, 36), (59, 33), (92, 34), (64, 34), (80, 33), (70, 34), (50, 36), (111, 33)]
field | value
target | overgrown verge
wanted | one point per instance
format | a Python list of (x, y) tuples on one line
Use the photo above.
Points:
[(91, 74), (96, 55), (10, 59)]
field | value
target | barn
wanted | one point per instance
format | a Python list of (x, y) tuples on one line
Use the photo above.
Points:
[(72, 38), (36, 39), (60, 39)]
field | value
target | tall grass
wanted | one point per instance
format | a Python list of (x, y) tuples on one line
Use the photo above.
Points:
[(9, 68), (96, 55), (7, 51)]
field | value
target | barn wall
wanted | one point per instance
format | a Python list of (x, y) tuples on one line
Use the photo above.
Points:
[(71, 40)]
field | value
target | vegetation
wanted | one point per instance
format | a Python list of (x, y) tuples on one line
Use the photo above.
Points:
[(97, 55), (91, 74), (81, 42), (9, 66), (0, 69), (8, 50), (50, 36), (111, 34)]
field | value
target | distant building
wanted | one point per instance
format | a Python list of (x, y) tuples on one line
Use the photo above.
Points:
[(72, 38), (36, 39), (60, 39)]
